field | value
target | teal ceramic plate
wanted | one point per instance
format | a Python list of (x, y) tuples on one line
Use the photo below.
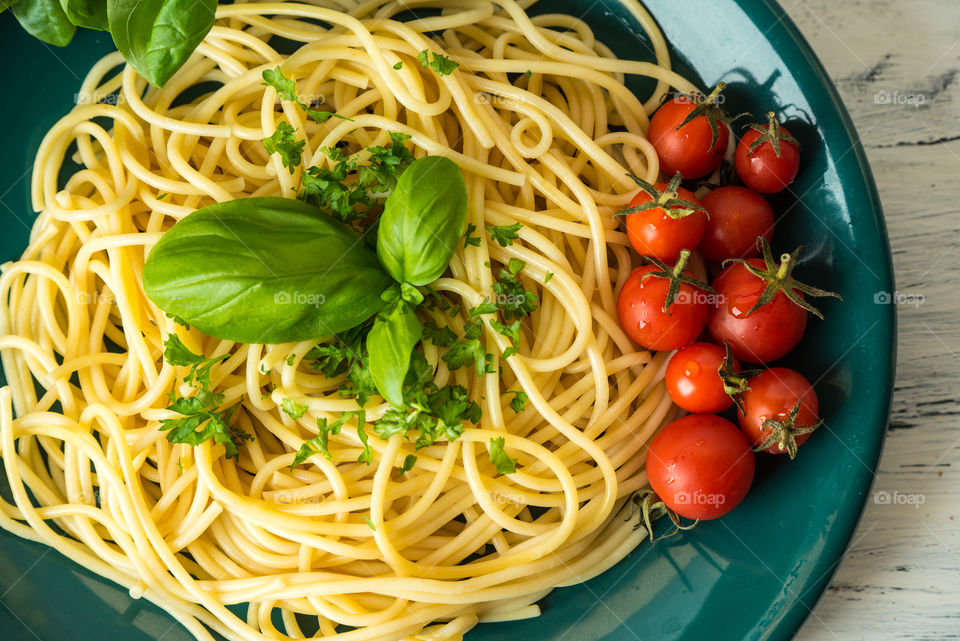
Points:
[(754, 574)]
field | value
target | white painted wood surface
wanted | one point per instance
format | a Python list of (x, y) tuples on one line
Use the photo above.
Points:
[(896, 64)]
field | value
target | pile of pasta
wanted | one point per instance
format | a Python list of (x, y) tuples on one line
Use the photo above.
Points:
[(544, 130)]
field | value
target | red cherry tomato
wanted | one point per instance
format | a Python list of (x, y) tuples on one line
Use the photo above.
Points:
[(653, 232), (689, 148), (765, 170), (693, 380), (738, 216), (774, 394), (640, 307), (765, 335), (700, 466)]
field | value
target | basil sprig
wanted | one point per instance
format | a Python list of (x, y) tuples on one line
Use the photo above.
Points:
[(390, 343), (277, 270), (264, 270), (155, 36), (422, 221)]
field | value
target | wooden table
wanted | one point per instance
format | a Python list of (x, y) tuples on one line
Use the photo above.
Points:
[(896, 65)]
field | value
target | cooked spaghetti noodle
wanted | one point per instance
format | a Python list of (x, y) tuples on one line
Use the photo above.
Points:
[(349, 550)]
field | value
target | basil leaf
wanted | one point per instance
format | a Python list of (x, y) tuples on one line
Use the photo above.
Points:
[(391, 340), (87, 13), (422, 221), (264, 270), (44, 19), (157, 36), (6, 4)]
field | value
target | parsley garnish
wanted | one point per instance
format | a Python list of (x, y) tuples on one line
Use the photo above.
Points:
[(321, 117), (345, 355), (319, 444), (511, 331), (282, 142), (469, 350), (504, 234), (286, 87), (505, 464), (176, 353), (201, 419), (370, 523), (367, 455), (511, 298), (349, 184), (519, 401), (399, 65), (443, 65), (408, 462), (439, 336), (292, 408), (469, 238), (546, 279)]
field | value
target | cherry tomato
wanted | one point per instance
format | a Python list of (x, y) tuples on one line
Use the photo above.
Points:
[(764, 169), (654, 232), (689, 148), (693, 379), (700, 466), (768, 333), (738, 216), (640, 306), (759, 330), (775, 394)]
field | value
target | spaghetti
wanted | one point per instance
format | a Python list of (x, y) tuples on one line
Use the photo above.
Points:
[(539, 121)]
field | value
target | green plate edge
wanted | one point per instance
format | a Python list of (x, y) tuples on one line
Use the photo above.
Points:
[(754, 574)]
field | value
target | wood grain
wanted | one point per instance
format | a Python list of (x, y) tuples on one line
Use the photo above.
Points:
[(896, 65)]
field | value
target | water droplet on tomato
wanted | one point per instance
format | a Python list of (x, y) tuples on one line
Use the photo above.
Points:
[(701, 443), (691, 369)]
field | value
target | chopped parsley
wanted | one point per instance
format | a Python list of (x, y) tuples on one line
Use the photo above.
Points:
[(346, 355), (283, 142), (505, 464), (519, 401), (504, 234), (511, 331), (286, 87), (348, 184), (370, 523), (292, 408), (408, 462), (439, 336), (319, 444), (469, 239), (321, 117), (399, 65), (469, 350), (432, 412), (510, 297), (367, 455), (200, 418), (443, 65), (546, 279)]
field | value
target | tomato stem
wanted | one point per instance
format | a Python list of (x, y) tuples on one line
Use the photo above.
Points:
[(771, 133), (779, 279), (676, 277), (784, 433), (651, 509)]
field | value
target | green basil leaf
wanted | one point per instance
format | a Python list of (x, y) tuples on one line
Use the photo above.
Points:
[(91, 14), (157, 36), (422, 221), (44, 19), (391, 340), (6, 4), (265, 270)]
